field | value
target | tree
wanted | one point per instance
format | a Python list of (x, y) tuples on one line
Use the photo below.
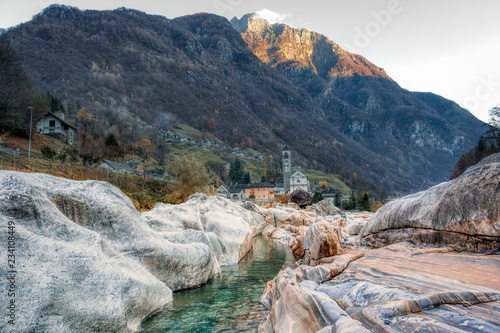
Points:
[(352, 203), (16, 93), (84, 119), (48, 152), (186, 177), (246, 178), (317, 197), (323, 185), (338, 199), (236, 172), (488, 144), (493, 133), (494, 114), (263, 179), (147, 148), (365, 203), (111, 141)]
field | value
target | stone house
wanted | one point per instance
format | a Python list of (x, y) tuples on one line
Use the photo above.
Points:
[(56, 126), (223, 191), (120, 167), (236, 193), (233, 192)]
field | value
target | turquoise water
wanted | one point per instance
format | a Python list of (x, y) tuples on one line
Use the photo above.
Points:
[(230, 302)]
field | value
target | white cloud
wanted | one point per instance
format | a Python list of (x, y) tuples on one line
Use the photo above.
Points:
[(272, 17)]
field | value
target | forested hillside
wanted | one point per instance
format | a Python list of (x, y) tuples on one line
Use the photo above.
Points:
[(137, 75)]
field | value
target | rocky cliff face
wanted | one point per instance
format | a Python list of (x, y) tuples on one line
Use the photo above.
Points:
[(464, 213), (288, 48), (87, 260)]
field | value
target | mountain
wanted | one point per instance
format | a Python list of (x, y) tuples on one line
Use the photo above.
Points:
[(422, 132), (250, 84)]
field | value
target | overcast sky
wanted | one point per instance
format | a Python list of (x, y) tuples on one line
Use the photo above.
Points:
[(448, 47)]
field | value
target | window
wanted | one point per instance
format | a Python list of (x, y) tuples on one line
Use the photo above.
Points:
[(264, 196), (52, 123)]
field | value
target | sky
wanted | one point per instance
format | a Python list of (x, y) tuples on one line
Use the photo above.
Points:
[(448, 47)]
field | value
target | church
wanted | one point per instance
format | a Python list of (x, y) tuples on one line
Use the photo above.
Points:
[(297, 179)]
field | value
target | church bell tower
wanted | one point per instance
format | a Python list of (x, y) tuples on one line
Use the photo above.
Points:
[(287, 168)]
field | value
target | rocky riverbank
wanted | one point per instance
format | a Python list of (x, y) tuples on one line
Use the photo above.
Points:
[(88, 261), (406, 271)]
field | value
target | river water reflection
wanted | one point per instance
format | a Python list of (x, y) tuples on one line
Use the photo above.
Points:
[(230, 302)]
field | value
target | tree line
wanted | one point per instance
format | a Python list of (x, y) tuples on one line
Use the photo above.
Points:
[(488, 143)]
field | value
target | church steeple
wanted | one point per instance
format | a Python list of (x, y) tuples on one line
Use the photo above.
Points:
[(287, 168)]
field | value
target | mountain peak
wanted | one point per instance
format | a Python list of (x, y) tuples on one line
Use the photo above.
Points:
[(250, 22), (279, 44)]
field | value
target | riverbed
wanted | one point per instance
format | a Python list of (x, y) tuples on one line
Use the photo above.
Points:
[(229, 302)]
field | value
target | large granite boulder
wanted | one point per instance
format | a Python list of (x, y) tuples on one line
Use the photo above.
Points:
[(464, 213), (88, 261), (325, 207), (321, 241), (301, 198), (226, 227)]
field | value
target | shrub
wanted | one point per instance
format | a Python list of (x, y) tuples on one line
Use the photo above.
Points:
[(48, 152)]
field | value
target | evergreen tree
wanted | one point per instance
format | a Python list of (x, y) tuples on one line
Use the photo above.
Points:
[(246, 179), (352, 203), (263, 179), (365, 203), (488, 144), (317, 197), (338, 198), (236, 172)]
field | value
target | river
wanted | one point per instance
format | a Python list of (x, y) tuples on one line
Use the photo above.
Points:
[(229, 302)]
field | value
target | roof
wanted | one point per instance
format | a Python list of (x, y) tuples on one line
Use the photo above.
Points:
[(298, 171), (119, 165), (155, 172), (62, 121), (236, 189), (256, 185)]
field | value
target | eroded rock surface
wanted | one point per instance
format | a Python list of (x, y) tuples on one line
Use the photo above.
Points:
[(321, 241), (88, 261), (464, 213), (398, 288), (224, 226)]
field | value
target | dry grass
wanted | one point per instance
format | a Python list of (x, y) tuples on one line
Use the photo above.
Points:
[(155, 190), (37, 142)]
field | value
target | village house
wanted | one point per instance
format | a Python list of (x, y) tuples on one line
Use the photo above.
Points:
[(156, 173), (260, 191), (223, 191), (279, 189), (121, 167), (233, 192), (56, 126), (236, 193)]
